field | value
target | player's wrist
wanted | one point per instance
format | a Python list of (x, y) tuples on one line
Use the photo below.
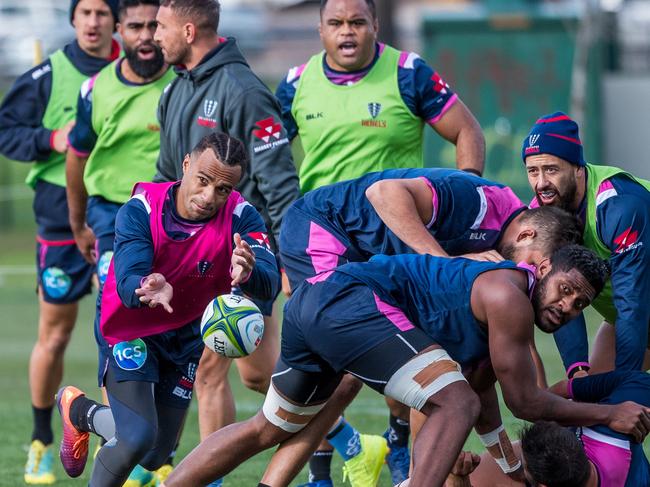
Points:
[(573, 369)]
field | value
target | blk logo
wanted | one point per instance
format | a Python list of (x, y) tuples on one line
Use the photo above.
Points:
[(532, 139)]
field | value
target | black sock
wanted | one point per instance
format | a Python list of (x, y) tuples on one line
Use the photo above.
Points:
[(399, 432), (319, 465), (82, 411), (172, 454), (43, 425)]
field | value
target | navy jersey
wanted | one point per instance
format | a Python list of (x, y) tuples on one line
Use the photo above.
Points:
[(617, 458), (134, 251), (434, 293), (623, 225), (469, 211), (423, 91)]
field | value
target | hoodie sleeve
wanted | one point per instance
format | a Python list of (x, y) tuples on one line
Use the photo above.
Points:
[(254, 118), (165, 165), (22, 134)]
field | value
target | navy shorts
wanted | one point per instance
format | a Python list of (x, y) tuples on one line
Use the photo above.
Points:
[(100, 215), (62, 272), (330, 324), (168, 359), (308, 248)]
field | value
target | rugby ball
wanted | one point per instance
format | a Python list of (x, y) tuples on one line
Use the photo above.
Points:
[(232, 326)]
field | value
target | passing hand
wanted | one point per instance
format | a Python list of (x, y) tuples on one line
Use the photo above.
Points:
[(242, 262), (156, 291), (60, 139)]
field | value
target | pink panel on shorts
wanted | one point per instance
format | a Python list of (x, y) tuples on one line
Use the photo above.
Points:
[(395, 315)]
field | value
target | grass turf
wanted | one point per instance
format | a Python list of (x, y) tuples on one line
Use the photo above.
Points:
[(18, 332)]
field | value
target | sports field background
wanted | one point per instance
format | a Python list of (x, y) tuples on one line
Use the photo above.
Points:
[(18, 324)]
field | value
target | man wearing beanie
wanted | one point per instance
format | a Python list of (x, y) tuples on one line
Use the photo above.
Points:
[(614, 207), (35, 118)]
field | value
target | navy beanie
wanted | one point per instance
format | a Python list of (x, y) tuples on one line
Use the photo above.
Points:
[(554, 134), (112, 4)]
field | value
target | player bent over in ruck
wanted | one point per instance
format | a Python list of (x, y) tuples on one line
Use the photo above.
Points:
[(407, 325), (177, 246)]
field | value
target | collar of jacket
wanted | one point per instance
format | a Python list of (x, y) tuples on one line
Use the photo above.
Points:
[(226, 52)]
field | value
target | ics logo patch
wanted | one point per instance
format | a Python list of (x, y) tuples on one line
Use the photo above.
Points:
[(103, 265), (56, 283), (130, 355)]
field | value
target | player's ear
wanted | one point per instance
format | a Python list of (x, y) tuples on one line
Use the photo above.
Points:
[(526, 235), (543, 268), (186, 163)]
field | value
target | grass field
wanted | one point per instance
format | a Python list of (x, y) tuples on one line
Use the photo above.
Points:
[(19, 316)]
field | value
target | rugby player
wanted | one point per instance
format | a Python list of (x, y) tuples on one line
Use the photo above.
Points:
[(35, 118), (174, 252), (555, 456), (614, 208), (435, 211), (407, 326)]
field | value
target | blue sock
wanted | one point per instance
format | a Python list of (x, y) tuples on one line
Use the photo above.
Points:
[(345, 440)]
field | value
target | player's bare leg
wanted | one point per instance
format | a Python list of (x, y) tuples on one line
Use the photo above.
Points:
[(230, 447), (451, 414), (256, 369), (293, 454), (215, 398), (55, 325)]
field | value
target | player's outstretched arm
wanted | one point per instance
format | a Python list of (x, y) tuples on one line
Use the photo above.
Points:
[(510, 317), (406, 207), (242, 261)]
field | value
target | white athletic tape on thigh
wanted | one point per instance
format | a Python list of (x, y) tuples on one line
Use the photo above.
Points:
[(285, 415), (421, 377), (498, 444)]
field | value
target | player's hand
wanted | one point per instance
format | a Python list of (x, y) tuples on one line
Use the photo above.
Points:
[(487, 256), (465, 464), (156, 291), (630, 418), (242, 262), (85, 239), (60, 139), (286, 286)]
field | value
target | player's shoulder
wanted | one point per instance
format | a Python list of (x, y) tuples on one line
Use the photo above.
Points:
[(503, 288), (294, 74), (410, 61)]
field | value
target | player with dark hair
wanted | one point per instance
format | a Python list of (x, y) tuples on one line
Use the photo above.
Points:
[(177, 246), (588, 456), (215, 90), (115, 142), (614, 207), (408, 326), (36, 116), (428, 211)]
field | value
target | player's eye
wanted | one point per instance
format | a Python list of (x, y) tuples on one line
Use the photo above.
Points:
[(203, 181)]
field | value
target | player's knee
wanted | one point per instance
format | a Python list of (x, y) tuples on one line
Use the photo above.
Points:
[(458, 401), (257, 382), (212, 370), (154, 459), (56, 341), (137, 438)]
